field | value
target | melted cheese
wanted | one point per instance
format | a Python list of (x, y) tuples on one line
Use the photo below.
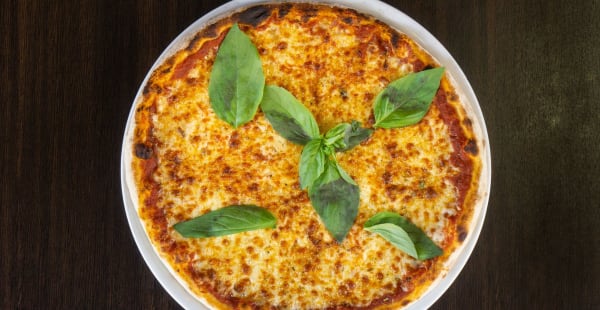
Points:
[(335, 63)]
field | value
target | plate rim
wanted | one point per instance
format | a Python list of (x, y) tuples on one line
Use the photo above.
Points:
[(389, 15)]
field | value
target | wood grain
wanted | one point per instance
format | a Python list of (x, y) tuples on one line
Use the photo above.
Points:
[(70, 70)]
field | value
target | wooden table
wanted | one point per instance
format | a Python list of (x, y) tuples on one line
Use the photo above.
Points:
[(69, 72)]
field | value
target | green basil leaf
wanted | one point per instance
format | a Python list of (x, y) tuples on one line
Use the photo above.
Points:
[(346, 136), (288, 116), (425, 247), (236, 81), (312, 162), (335, 136), (396, 236), (354, 135), (343, 174), (335, 200), (225, 221), (405, 101)]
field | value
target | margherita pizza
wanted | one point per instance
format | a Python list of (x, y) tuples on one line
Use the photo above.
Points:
[(187, 162)]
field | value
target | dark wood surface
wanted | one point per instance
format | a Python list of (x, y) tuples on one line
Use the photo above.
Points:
[(70, 70)]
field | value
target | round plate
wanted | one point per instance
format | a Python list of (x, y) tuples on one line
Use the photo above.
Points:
[(394, 18)]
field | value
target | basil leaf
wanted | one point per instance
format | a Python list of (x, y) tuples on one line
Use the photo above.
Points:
[(312, 162), (236, 81), (396, 236), (354, 135), (346, 136), (344, 174), (335, 136), (335, 200), (425, 247), (288, 116), (226, 221), (406, 101)]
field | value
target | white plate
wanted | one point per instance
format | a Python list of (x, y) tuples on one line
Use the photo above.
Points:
[(395, 19)]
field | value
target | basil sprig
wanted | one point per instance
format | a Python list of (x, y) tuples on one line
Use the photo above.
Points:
[(333, 193), (236, 81), (405, 101), (403, 234), (342, 137), (225, 221)]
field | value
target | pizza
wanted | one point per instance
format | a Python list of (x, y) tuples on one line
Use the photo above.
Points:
[(188, 162)]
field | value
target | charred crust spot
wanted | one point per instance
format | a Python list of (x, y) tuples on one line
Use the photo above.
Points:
[(143, 151), (467, 122), (170, 61), (209, 32), (151, 87), (308, 13), (255, 15), (454, 97), (406, 302), (193, 42), (471, 147), (395, 39), (348, 20), (461, 233), (166, 70), (284, 9)]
